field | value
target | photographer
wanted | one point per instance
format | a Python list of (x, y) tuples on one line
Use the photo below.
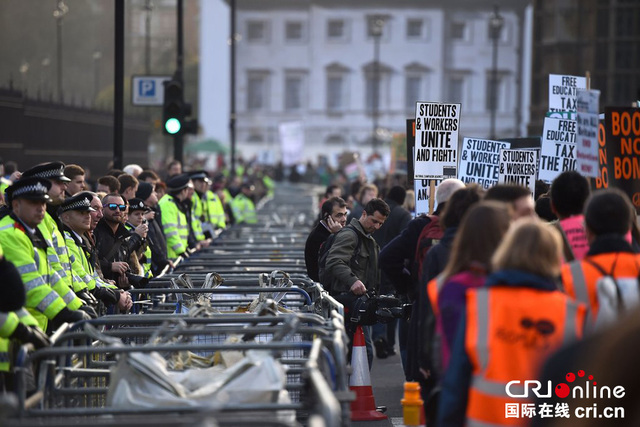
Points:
[(353, 278), (136, 218), (115, 243)]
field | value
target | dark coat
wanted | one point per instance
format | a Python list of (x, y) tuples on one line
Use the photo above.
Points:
[(106, 239), (312, 247), (339, 260), (158, 244)]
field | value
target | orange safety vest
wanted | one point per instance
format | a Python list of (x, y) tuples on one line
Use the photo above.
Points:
[(579, 278), (433, 290), (509, 333)]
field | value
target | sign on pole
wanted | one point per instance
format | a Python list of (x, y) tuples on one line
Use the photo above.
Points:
[(622, 126), (436, 145), (587, 133), (562, 91), (148, 90), (480, 161), (558, 146), (519, 167), (421, 189)]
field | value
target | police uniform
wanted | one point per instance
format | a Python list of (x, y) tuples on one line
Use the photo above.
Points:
[(26, 248), (244, 210), (136, 204), (57, 251), (174, 221)]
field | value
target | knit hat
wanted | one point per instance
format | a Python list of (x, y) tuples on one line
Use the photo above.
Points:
[(144, 190)]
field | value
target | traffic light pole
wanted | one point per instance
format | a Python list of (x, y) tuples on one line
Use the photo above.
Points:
[(178, 139)]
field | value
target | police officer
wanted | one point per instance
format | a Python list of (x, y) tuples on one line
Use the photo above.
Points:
[(174, 221), (244, 210), (76, 218), (57, 252), (207, 204), (26, 247)]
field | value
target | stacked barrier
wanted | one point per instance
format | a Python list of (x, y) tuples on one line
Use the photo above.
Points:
[(242, 306)]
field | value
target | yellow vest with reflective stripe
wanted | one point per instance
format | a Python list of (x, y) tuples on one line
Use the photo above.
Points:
[(42, 301), (174, 225)]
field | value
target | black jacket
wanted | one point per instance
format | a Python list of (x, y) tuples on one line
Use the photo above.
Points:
[(158, 244), (311, 249), (106, 240)]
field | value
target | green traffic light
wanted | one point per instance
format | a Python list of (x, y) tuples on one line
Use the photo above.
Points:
[(172, 126)]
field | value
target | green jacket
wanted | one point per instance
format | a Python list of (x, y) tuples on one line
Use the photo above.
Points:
[(42, 301), (58, 258), (366, 265), (244, 211), (174, 226)]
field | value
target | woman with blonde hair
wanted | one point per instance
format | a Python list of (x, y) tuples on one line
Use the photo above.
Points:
[(478, 236), (509, 327)]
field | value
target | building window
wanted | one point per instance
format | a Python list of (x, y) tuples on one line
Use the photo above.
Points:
[(413, 89), (256, 31), (455, 89), (257, 91), (335, 93), (415, 28), (336, 29), (294, 32), (335, 140), (294, 92), (458, 31), (255, 138)]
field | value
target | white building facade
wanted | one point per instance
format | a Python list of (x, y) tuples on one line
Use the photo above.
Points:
[(313, 62)]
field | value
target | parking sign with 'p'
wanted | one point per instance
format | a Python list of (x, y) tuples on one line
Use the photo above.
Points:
[(148, 90)]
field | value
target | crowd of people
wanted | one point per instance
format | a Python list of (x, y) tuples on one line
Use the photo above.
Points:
[(70, 249), (498, 282)]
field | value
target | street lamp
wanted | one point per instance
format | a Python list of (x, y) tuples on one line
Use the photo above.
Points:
[(376, 25), (58, 14), (496, 22), (148, 7), (97, 56)]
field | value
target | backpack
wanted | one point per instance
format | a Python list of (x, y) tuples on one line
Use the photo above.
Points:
[(615, 295), (429, 236), (325, 276)]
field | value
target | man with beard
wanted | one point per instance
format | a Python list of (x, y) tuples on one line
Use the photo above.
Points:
[(57, 252), (26, 247), (115, 243), (334, 217), (76, 219)]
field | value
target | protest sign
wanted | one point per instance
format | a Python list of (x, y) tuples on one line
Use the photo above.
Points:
[(562, 91), (436, 144), (291, 142), (622, 150), (421, 188), (558, 146), (587, 132), (479, 161), (518, 167)]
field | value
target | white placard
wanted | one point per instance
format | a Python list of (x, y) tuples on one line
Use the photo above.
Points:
[(562, 91), (436, 148), (480, 161), (519, 167), (558, 148), (291, 142), (587, 162), (421, 188)]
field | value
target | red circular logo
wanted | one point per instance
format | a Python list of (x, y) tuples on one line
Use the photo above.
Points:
[(562, 390)]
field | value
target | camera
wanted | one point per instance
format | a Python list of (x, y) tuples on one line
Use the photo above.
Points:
[(137, 281), (370, 309)]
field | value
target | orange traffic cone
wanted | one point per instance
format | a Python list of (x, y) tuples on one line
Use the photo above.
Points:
[(364, 407)]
